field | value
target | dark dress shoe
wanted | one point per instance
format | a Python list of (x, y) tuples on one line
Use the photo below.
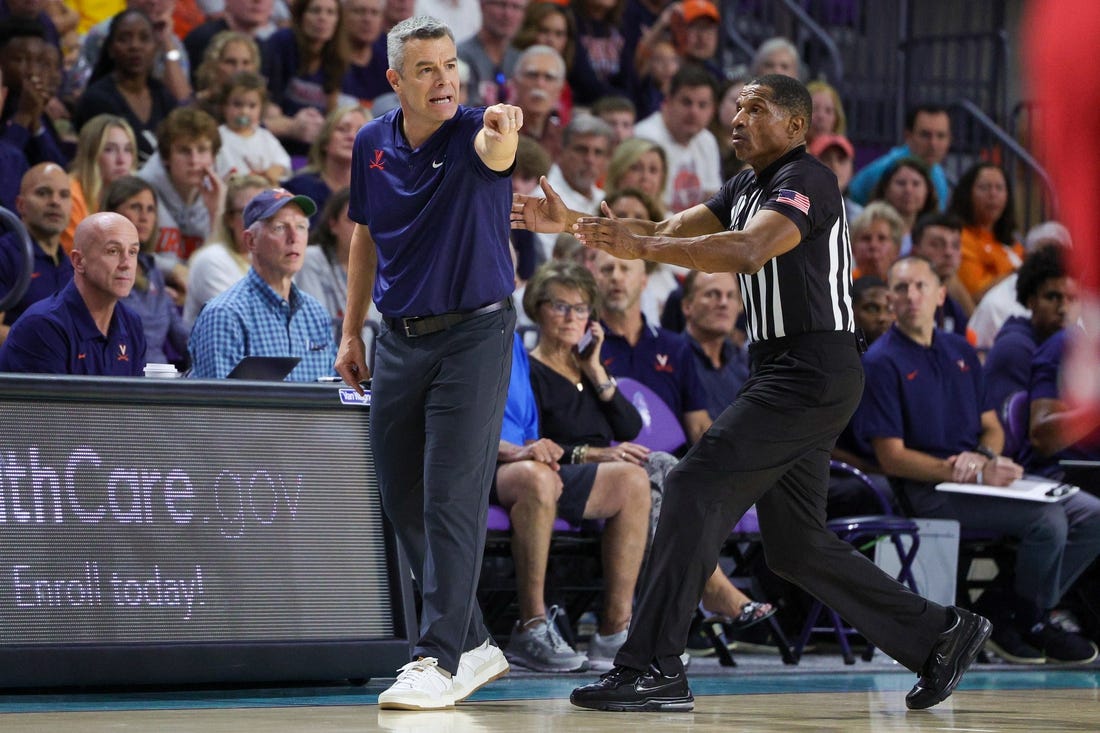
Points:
[(951, 656), (626, 689)]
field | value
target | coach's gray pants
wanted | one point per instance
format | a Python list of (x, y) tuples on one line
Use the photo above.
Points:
[(436, 408)]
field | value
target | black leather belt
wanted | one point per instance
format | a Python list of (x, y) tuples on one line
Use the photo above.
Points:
[(423, 325)]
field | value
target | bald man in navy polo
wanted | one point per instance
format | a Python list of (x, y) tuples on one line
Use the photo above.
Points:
[(84, 329)]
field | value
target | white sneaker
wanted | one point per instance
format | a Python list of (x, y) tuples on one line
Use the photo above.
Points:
[(421, 685), (602, 650), (477, 668)]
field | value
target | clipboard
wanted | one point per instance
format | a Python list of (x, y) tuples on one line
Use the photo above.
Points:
[(1023, 489)]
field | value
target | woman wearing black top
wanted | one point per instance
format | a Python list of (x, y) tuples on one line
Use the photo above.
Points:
[(581, 408), (579, 405), (122, 81)]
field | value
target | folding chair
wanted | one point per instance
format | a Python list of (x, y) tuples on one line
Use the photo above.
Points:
[(862, 531)]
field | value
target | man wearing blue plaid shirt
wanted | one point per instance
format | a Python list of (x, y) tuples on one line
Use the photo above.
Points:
[(265, 313)]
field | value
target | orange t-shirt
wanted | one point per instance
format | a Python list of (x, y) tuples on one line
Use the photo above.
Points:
[(985, 261), (80, 211)]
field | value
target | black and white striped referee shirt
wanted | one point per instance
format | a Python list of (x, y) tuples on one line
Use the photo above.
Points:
[(808, 288)]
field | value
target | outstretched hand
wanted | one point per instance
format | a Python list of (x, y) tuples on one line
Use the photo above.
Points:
[(500, 120), (609, 234), (547, 215)]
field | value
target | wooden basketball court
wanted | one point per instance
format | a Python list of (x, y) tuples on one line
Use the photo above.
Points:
[(866, 697)]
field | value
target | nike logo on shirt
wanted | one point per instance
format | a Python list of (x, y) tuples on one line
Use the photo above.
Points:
[(437, 164)]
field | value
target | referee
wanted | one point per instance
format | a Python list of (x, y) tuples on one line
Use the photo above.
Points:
[(781, 228)]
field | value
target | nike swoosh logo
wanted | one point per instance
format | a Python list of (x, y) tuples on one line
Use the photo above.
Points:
[(437, 164), (649, 684)]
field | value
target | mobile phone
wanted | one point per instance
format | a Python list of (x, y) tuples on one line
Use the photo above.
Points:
[(587, 342)]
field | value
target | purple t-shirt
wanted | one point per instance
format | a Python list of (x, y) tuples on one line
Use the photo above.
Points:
[(438, 215), (1046, 371)]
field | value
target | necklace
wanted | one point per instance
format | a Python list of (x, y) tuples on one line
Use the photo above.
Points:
[(567, 371)]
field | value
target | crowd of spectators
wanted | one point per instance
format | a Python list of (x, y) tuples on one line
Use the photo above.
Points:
[(226, 141)]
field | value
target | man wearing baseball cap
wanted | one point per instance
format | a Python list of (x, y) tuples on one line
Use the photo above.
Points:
[(697, 35), (838, 155), (265, 313)]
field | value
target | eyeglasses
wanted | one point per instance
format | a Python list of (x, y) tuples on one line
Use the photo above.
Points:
[(580, 310)]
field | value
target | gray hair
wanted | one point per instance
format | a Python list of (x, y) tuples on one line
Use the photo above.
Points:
[(879, 210), (422, 27), (1048, 231), (583, 125), (567, 274), (770, 46), (540, 50)]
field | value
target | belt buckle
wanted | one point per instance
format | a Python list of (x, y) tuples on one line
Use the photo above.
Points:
[(408, 324)]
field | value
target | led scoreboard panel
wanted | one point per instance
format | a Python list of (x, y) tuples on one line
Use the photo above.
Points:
[(157, 531)]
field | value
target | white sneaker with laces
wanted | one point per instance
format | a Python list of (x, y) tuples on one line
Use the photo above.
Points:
[(420, 685), (477, 668)]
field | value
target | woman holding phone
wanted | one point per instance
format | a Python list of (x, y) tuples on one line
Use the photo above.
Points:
[(581, 408)]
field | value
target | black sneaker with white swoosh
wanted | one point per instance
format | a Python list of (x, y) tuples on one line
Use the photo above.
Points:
[(626, 689)]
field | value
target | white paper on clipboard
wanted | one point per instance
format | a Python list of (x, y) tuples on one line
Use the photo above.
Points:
[(1024, 489)]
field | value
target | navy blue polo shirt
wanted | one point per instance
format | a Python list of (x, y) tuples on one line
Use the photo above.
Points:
[(930, 397), (438, 215), (721, 385), (58, 336), (951, 317), (662, 361), (47, 279), (1046, 368), (1008, 363)]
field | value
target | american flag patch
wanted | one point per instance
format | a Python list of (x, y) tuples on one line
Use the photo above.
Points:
[(795, 199)]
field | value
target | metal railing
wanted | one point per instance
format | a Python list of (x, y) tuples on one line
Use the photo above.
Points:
[(819, 37), (977, 137), (748, 23), (884, 55)]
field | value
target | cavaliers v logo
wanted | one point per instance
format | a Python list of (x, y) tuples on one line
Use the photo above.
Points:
[(377, 162), (122, 353), (662, 364)]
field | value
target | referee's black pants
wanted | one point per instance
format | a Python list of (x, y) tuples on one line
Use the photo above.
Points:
[(771, 447), (437, 402)]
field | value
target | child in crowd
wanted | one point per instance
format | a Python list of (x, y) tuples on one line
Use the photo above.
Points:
[(248, 148)]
